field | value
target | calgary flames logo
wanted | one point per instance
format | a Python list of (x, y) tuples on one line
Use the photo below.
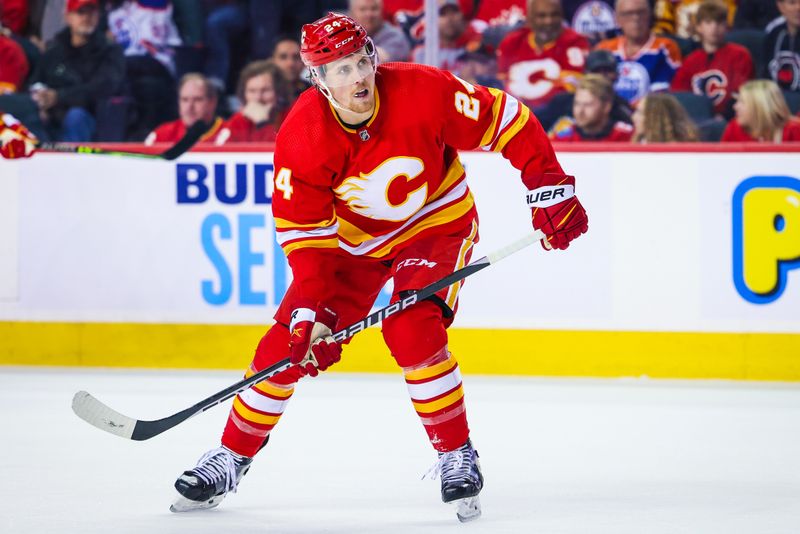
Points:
[(712, 83), (390, 192)]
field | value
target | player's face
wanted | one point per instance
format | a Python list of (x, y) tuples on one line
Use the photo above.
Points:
[(712, 32), (633, 17), (546, 19), (368, 14), (287, 58), (260, 89), (790, 9), (194, 104), (590, 112), (351, 81)]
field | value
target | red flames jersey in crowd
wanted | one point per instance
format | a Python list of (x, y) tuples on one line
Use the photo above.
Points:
[(717, 76), (735, 132), (397, 178), (536, 75), (566, 130), (240, 129), (172, 132), (13, 65)]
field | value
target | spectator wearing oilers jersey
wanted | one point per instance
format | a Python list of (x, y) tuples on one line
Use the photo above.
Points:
[(543, 59), (197, 101), (647, 62), (762, 115), (782, 48), (368, 187), (265, 97), (593, 18), (591, 114), (717, 69)]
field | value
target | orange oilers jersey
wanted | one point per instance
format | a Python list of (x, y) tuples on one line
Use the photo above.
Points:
[(536, 75), (397, 178)]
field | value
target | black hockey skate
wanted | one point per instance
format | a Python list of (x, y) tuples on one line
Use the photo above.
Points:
[(462, 481), (216, 473)]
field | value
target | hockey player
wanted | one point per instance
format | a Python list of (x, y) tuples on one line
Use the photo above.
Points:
[(368, 186)]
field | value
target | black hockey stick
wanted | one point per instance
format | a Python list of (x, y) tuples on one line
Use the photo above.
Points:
[(98, 414), (192, 136)]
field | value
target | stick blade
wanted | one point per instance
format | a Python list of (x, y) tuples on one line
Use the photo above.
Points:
[(101, 416), (192, 136)]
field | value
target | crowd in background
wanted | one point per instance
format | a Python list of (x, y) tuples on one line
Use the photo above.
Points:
[(642, 71)]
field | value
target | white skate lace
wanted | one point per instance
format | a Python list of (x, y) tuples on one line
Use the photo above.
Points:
[(216, 464), (453, 465)]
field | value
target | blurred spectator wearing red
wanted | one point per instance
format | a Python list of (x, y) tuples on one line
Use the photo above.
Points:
[(77, 74), (197, 101), (762, 115), (591, 114), (286, 57), (594, 19), (660, 118), (390, 41), (543, 59), (456, 36), (717, 69), (14, 15), (496, 18), (783, 47), (675, 17), (13, 65), (265, 98)]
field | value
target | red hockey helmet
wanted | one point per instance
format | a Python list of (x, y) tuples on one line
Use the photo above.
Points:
[(332, 37)]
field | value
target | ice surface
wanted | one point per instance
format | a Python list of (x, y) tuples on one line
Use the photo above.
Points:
[(559, 456)]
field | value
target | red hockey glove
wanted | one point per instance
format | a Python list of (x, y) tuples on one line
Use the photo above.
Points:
[(555, 210), (15, 139), (311, 346)]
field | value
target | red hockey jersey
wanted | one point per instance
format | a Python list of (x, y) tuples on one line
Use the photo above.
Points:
[(398, 178), (240, 129), (717, 76), (172, 132), (536, 75)]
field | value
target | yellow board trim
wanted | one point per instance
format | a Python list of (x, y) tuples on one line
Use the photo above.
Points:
[(735, 356)]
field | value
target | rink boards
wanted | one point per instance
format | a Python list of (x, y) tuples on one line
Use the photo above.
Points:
[(688, 270)]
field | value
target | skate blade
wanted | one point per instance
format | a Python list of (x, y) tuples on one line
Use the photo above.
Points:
[(182, 504), (468, 509)]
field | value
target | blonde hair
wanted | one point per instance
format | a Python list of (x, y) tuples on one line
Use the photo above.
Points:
[(768, 110), (598, 85), (665, 121)]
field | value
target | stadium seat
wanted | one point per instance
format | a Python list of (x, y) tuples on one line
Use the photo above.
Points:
[(793, 101), (711, 130), (753, 40), (699, 107)]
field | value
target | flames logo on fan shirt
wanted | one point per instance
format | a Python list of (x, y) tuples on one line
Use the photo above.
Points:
[(368, 194), (711, 83)]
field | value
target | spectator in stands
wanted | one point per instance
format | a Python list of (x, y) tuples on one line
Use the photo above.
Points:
[(594, 19), (390, 41), (479, 67), (146, 32), (287, 58), (762, 115), (496, 18), (544, 58), (13, 65), (782, 47), (600, 62), (456, 36), (409, 16), (79, 70), (197, 101), (755, 14), (14, 15), (717, 69), (265, 99), (646, 62), (591, 114), (676, 17), (659, 118)]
